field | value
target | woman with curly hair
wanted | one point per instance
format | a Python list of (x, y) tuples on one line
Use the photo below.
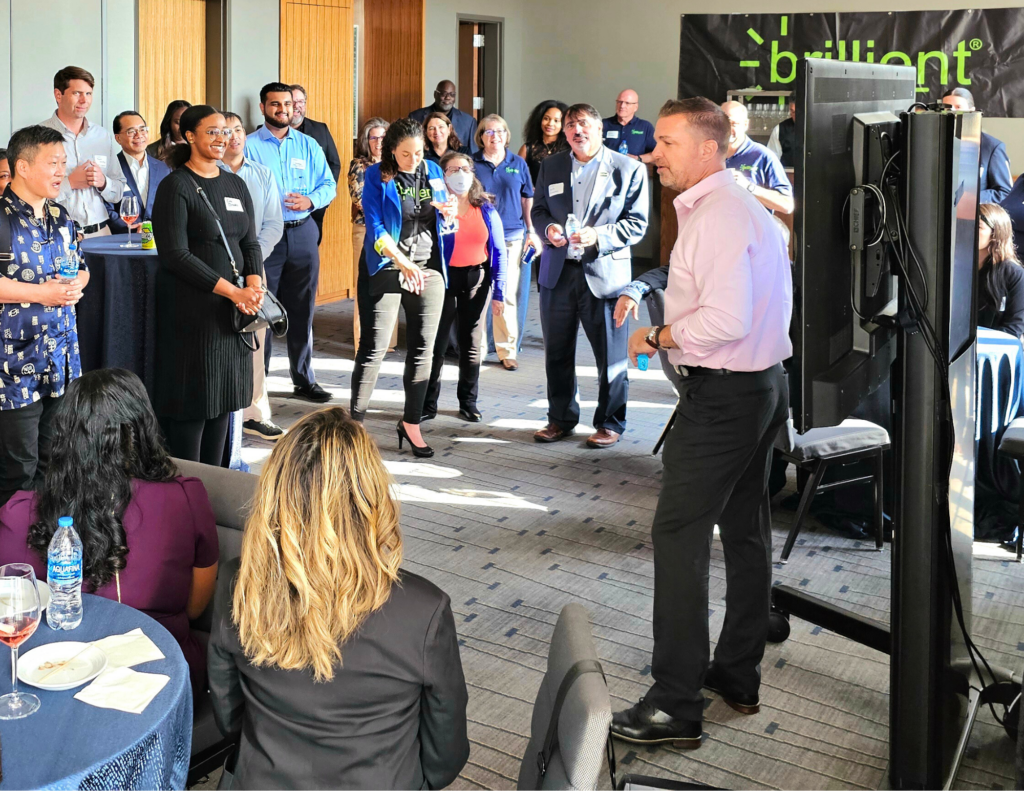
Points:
[(543, 134), (337, 668), (149, 537), (1000, 275)]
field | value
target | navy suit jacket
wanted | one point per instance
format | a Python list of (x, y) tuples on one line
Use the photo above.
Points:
[(996, 180), (617, 210), (157, 172)]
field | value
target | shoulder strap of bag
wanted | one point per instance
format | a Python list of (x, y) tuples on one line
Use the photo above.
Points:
[(216, 219), (551, 740)]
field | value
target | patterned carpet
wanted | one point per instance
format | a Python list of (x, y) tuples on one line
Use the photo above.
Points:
[(513, 531)]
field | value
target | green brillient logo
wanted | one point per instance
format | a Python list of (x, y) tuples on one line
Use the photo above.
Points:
[(783, 62)]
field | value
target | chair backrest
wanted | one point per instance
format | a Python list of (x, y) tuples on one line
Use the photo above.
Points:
[(230, 493), (585, 716)]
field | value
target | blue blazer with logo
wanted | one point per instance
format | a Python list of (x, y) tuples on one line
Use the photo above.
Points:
[(157, 172), (617, 210), (382, 208)]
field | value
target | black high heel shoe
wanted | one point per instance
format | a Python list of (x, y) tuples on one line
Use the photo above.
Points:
[(424, 452)]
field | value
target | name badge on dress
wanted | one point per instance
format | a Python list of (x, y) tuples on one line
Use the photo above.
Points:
[(612, 134), (298, 164), (233, 204), (100, 160), (555, 189)]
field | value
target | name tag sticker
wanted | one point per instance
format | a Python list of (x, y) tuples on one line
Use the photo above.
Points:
[(437, 185), (100, 160), (298, 164), (233, 204), (555, 189), (612, 134)]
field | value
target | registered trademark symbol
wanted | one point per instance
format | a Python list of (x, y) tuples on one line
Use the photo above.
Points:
[(976, 44)]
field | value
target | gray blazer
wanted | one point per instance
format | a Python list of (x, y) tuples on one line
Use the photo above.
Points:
[(617, 210)]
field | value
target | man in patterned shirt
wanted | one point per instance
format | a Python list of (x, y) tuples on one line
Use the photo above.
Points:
[(38, 334)]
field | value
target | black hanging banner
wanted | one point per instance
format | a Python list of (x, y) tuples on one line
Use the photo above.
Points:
[(981, 50)]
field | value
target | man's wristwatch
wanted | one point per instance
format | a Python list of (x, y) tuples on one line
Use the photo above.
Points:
[(652, 337)]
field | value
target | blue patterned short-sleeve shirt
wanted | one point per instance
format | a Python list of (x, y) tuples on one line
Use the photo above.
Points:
[(39, 353)]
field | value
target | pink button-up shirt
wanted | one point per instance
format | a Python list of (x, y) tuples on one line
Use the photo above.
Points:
[(730, 290)]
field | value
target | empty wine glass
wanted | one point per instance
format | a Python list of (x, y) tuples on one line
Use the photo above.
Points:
[(129, 214), (19, 617)]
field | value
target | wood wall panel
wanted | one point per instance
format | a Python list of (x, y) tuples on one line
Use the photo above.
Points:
[(316, 51), (392, 68), (172, 56)]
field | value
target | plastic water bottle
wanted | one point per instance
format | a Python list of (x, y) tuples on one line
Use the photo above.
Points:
[(64, 576), (623, 148), (67, 266), (573, 226)]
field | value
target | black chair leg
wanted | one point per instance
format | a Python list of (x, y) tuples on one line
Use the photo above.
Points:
[(879, 503), (805, 504)]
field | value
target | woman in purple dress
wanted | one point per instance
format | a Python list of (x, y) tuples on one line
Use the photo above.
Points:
[(149, 538)]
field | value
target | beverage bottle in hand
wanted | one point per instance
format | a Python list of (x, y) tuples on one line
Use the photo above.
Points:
[(64, 576), (623, 148), (67, 266), (573, 226)]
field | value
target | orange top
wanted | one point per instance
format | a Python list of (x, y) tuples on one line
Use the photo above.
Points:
[(470, 239)]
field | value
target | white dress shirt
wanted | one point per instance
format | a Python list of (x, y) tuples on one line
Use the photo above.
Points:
[(266, 203), (140, 172), (86, 205), (730, 288)]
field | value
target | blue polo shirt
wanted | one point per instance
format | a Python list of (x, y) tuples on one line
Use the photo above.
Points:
[(761, 166), (509, 182), (638, 134)]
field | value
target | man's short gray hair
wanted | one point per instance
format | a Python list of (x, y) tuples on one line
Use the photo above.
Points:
[(577, 110)]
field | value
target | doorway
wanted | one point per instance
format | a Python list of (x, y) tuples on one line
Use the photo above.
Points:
[(480, 45)]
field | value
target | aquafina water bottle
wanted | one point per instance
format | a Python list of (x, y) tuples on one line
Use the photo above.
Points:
[(623, 148), (64, 575), (67, 265), (573, 226)]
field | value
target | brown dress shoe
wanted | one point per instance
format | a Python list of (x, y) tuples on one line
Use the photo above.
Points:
[(551, 433), (602, 438), (510, 365)]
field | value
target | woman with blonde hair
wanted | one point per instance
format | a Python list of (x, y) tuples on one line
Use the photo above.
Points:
[(1000, 275), (337, 668)]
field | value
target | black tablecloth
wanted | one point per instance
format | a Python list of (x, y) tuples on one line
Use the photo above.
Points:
[(117, 314)]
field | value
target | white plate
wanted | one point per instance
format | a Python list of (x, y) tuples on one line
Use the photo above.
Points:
[(44, 594), (82, 667)]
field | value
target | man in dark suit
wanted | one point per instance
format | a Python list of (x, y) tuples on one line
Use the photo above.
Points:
[(583, 273), (320, 132), (996, 179), (142, 172), (444, 102)]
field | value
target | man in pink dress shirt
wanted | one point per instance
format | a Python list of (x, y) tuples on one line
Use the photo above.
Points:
[(727, 308)]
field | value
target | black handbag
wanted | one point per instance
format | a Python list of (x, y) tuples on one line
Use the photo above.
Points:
[(271, 315)]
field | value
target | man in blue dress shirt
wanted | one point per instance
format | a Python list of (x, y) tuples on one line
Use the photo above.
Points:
[(626, 127), (38, 332), (293, 269), (444, 102)]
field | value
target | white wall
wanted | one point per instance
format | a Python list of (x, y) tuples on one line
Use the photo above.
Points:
[(588, 50), (39, 37), (254, 55)]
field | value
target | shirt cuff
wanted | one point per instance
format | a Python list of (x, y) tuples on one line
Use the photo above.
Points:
[(636, 291)]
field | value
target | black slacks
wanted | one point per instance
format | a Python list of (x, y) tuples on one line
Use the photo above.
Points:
[(716, 461), (25, 437), (468, 296), (197, 440), (562, 310), (292, 271)]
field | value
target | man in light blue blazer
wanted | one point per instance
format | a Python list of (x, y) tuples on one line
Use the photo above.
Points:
[(582, 276), (142, 173)]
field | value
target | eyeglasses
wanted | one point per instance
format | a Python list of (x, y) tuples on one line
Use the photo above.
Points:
[(493, 133), (463, 169), (135, 131), (628, 104), (375, 138), (446, 95), (215, 133)]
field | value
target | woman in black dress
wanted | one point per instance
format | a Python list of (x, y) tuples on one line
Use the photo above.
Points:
[(543, 134), (203, 367), (1000, 275)]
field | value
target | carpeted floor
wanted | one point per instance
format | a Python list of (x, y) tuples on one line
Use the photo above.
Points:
[(513, 531)]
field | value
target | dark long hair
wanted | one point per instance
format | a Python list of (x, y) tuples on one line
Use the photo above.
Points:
[(190, 119), (533, 135), (104, 435), (1000, 253), (454, 144), (400, 130), (477, 196), (168, 119)]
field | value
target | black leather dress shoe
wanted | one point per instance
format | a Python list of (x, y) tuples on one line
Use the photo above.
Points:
[(314, 393), (644, 724), (470, 415), (744, 703)]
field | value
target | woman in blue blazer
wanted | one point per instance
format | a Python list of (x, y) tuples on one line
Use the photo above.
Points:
[(476, 256), (403, 266)]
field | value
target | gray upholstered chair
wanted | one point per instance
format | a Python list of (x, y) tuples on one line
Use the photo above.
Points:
[(230, 494), (852, 440), (576, 755), (1012, 445)]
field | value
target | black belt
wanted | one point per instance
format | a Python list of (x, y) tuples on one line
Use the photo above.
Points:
[(295, 223), (697, 370), (97, 227)]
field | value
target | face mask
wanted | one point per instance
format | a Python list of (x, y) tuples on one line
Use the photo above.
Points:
[(460, 182)]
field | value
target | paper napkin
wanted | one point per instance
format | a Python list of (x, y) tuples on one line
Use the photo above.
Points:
[(123, 689), (129, 649)]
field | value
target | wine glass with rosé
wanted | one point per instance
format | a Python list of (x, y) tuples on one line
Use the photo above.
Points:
[(129, 212), (19, 617)]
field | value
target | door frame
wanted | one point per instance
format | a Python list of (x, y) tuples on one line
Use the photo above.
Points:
[(489, 20)]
